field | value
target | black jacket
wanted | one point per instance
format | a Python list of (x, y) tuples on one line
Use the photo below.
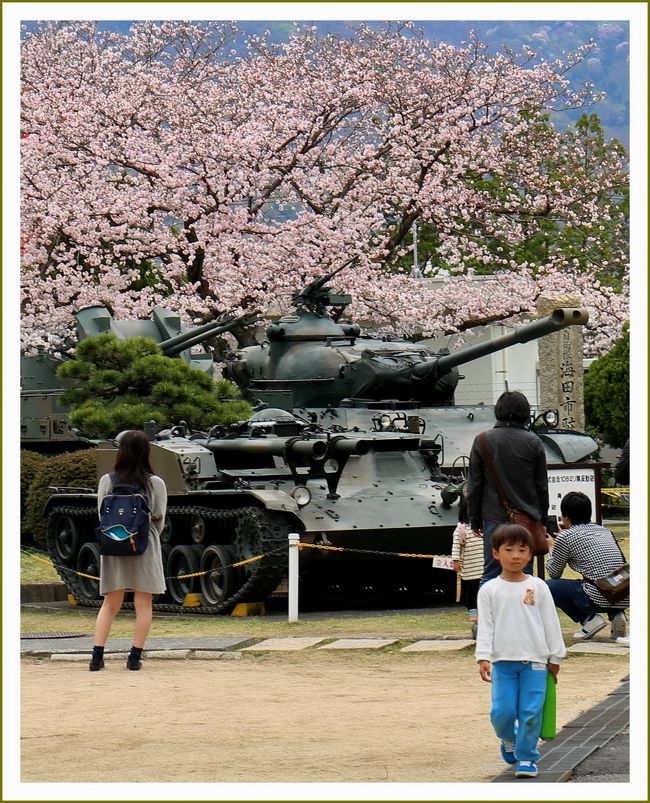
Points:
[(520, 461)]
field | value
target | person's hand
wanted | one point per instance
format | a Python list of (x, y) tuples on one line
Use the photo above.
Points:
[(456, 564), (554, 669), (485, 670)]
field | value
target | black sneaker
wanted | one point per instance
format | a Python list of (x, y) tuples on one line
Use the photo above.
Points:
[(96, 663), (133, 662)]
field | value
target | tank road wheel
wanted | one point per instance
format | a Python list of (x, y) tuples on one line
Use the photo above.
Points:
[(221, 582), (64, 537), (198, 529), (182, 559), (88, 562)]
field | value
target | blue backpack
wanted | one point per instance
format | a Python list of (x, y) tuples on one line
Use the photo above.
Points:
[(124, 517)]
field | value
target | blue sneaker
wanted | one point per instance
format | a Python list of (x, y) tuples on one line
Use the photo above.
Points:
[(526, 769), (508, 752)]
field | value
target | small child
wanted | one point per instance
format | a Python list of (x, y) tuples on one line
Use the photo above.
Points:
[(467, 554), (519, 641)]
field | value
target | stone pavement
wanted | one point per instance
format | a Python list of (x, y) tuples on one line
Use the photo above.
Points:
[(592, 748)]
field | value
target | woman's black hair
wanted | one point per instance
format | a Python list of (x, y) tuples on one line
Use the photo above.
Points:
[(512, 406), (576, 506), (132, 464)]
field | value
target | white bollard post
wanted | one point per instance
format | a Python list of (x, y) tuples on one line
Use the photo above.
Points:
[(294, 551)]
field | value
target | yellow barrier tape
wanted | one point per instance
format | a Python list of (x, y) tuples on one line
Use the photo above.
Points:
[(43, 560), (624, 492), (51, 563), (231, 566), (177, 577), (302, 545)]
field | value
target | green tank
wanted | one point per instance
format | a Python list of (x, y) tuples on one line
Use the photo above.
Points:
[(331, 373), (356, 445), (44, 419)]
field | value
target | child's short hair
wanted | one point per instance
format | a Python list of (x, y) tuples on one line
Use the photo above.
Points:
[(511, 534)]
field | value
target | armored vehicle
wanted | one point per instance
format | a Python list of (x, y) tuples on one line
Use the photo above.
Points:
[(331, 373), (44, 419), (356, 445), (235, 494)]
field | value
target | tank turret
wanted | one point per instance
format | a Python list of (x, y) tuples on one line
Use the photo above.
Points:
[(311, 360), (316, 365), (44, 420)]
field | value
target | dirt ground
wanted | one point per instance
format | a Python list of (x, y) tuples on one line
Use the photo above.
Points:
[(309, 717)]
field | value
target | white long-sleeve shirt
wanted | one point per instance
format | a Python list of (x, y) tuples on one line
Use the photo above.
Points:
[(517, 621)]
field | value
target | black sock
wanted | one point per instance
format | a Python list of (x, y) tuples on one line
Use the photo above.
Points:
[(136, 652), (98, 651)]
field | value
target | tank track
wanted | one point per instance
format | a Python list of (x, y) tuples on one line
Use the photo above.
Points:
[(267, 536)]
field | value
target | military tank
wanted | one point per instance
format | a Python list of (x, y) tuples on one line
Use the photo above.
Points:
[(356, 445), (44, 419), (331, 373), (235, 494)]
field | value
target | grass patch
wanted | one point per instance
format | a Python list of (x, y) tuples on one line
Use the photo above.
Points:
[(436, 624), (405, 626), (36, 567)]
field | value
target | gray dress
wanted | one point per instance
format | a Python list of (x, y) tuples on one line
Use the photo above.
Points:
[(138, 572)]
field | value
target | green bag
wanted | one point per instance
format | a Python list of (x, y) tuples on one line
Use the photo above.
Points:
[(548, 731)]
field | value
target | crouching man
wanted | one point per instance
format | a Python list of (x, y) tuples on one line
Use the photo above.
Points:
[(592, 551)]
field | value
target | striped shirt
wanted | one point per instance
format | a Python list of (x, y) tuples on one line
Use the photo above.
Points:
[(469, 554), (592, 551)]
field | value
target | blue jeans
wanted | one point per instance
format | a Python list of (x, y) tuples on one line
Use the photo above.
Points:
[(518, 694), (492, 567), (569, 596)]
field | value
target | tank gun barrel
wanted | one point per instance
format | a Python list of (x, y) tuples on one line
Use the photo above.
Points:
[(340, 445), (185, 340), (559, 319), (280, 447)]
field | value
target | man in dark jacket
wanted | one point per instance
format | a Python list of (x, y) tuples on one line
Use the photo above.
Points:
[(519, 460)]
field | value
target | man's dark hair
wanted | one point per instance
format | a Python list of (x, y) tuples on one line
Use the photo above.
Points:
[(511, 534), (577, 507), (512, 406)]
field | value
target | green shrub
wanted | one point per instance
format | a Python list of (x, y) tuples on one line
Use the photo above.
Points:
[(30, 464), (122, 384), (68, 469), (607, 393)]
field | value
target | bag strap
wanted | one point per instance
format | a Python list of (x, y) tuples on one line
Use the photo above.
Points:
[(487, 459), (625, 560), (134, 489)]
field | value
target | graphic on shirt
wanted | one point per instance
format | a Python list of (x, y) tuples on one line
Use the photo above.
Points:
[(529, 598)]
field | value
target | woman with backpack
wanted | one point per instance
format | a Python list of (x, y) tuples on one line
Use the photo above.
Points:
[(141, 573)]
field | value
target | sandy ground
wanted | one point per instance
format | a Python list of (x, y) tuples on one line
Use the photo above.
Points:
[(309, 717)]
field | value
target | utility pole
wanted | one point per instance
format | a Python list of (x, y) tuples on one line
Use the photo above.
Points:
[(415, 272)]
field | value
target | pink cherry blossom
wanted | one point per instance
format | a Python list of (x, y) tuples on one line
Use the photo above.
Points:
[(159, 169)]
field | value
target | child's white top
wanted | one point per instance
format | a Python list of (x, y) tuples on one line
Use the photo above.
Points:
[(467, 548), (517, 621)]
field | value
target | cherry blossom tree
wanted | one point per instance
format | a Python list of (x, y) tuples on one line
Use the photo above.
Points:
[(166, 167)]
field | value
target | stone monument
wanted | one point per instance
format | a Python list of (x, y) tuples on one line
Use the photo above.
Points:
[(560, 367)]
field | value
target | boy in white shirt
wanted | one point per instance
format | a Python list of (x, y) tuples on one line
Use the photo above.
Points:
[(519, 641)]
